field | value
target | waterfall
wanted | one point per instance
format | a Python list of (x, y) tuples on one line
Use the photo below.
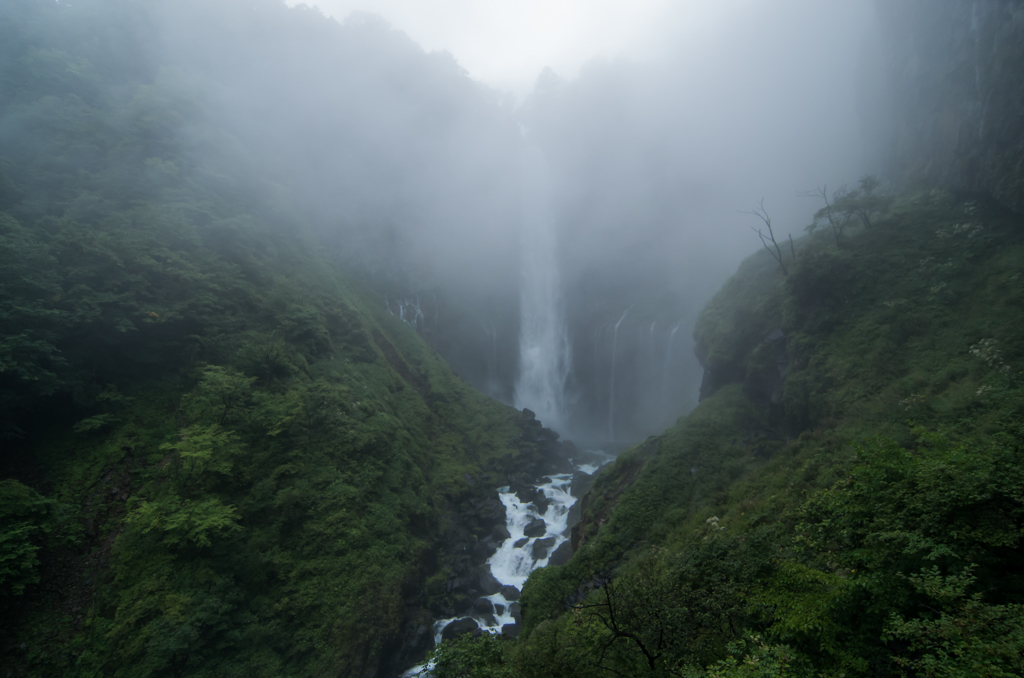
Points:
[(409, 311), (544, 350), (492, 357), (611, 385), (665, 370)]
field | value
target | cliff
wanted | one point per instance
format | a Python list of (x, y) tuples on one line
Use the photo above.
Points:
[(955, 106)]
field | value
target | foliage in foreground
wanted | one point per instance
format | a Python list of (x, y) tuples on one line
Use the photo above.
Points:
[(908, 565), (231, 459)]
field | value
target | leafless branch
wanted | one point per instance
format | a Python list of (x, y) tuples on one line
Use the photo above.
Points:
[(762, 214)]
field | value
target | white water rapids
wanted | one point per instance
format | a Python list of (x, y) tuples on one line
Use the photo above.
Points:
[(511, 565)]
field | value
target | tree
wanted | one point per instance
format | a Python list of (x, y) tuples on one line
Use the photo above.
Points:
[(776, 253), (862, 203)]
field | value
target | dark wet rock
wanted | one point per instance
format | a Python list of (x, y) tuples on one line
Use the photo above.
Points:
[(516, 613), (483, 606), (575, 513), (499, 609), (541, 501), (541, 547), (535, 529), (562, 554), (459, 627), (461, 602), (489, 620), (486, 583), (511, 593), (520, 543), (525, 493), (581, 482), (482, 551), (510, 630), (500, 533)]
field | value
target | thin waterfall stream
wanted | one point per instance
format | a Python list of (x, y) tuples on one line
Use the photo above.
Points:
[(611, 386)]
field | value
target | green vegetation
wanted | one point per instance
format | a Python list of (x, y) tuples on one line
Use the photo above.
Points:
[(227, 457), (224, 457), (848, 497)]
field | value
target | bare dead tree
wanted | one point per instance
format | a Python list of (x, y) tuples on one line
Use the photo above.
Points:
[(838, 218), (761, 214)]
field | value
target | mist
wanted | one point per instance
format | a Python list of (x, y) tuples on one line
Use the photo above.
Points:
[(412, 169), (408, 169)]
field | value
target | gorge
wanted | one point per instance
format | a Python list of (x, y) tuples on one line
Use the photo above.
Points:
[(320, 356)]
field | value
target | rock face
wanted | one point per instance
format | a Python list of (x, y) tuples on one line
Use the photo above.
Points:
[(562, 554), (955, 100)]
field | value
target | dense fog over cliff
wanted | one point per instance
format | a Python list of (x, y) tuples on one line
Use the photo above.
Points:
[(409, 168), (403, 157)]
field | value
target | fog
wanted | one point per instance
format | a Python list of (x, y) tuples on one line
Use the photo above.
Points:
[(410, 168)]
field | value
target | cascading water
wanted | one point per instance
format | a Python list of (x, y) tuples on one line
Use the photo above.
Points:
[(611, 385), (519, 554), (544, 349), (409, 311), (493, 380), (667, 367)]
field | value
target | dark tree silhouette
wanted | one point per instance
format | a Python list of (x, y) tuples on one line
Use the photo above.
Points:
[(776, 253)]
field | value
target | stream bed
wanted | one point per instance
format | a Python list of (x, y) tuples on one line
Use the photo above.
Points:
[(537, 530)]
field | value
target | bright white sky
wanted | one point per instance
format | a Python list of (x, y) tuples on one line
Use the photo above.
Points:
[(506, 43)]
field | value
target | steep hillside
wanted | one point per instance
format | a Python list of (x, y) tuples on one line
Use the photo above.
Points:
[(222, 453), (847, 497)]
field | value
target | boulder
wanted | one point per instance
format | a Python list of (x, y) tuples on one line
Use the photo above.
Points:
[(500, 533), (483, 606), (520, 543), (541, 502), (525, 493), (511, 593), (459, 627), (541, 547), (510, 630), (537, 528), (482, 551), (516, 613), (499, 609), (486, 583)]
